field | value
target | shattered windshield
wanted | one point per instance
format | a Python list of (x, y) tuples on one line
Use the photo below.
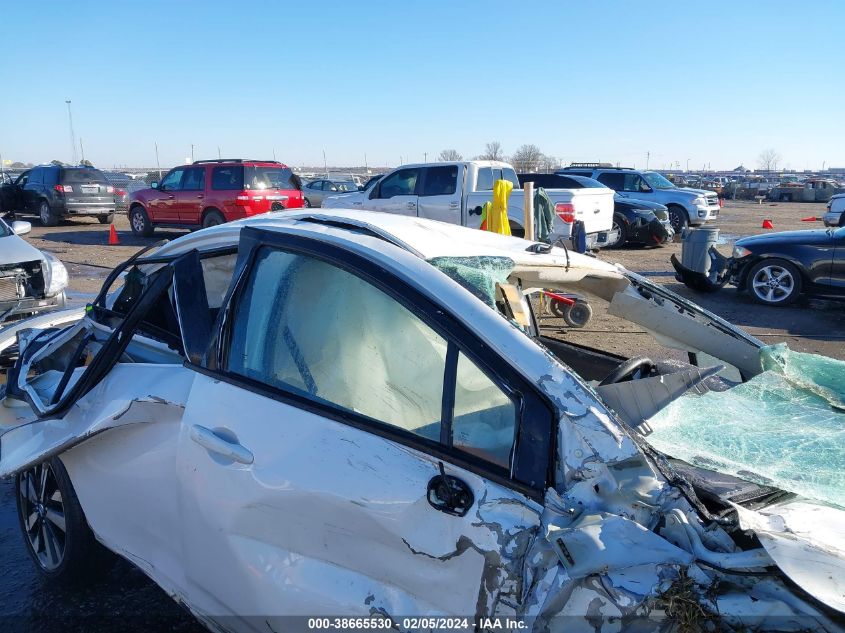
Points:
[(479, 274), (783, 428)]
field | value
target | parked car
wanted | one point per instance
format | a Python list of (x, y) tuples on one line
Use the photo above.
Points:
[(30, 280), (211, 192), (316, 190), (456, 191), (835, 215), (686, 206), (634, 221), (56, 191), (468, 471), (777, 268)]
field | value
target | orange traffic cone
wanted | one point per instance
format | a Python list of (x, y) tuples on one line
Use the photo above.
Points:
[(810, 218), (721, 202), (767, 224), (113, 241)]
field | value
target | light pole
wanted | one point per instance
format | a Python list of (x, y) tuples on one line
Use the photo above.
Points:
[(687, 165), (72, 135), (192, 152)]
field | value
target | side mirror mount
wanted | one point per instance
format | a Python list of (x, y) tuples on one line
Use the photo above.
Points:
[(154, 184), (20, 227)]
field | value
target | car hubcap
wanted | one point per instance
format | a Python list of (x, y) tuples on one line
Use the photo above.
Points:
[(43, 515), (45, 213), (137, 222), (773, 283)]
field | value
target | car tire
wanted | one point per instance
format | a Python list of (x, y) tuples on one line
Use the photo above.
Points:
[(774, 282), (622, 225), (212, 217), (46, 503), (46, 215), (678, 218), (106, 219), (139, 221), (516, 230), (306, 203)]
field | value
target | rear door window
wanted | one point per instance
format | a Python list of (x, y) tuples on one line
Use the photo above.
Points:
[(36, 177), (228, 178), (440, 181), (194, 179)]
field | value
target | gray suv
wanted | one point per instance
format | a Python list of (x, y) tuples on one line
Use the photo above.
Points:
[(686, 206), (56, 191)]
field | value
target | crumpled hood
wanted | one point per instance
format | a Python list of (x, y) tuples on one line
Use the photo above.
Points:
[(807, 542), (13, 250)]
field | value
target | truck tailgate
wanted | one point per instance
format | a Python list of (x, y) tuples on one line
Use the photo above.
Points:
[(594, 207)]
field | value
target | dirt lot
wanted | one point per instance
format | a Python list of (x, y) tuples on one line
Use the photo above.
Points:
[(811, 326)]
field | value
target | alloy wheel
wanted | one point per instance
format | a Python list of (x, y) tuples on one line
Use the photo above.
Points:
[(137, 222), (773, 284), (43, 515)]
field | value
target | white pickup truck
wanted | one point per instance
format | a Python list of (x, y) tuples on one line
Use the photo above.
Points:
[(454, 192)]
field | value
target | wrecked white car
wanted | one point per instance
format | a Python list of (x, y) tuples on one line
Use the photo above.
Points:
[(319, 414)]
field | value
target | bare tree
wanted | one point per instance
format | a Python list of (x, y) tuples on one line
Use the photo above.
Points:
[(549, 163), (527, 158), (492, 151), (768, 160), (448, 155)]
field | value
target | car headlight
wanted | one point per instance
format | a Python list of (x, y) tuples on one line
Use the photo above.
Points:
[(700, 202), (55, 275), (740, 252)]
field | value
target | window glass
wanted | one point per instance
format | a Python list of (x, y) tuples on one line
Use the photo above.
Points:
[(317, 185), (194, 179), (484, 181), (83, 175), (36, 177), (441, 181), (509, 174), (172, 181), (622, 181), (51, 176), (484, 421), (399, 183), (228, 178), (269, 178), (308, 327), (23, 178)]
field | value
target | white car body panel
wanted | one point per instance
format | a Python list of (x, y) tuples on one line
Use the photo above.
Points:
[(329, 518)]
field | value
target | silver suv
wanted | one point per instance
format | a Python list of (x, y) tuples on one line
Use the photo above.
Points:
[(686, 206)]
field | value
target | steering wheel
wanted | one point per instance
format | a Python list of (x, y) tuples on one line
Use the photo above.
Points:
[(626, 370)]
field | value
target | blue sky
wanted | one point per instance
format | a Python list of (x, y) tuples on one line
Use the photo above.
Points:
[(713, 82)]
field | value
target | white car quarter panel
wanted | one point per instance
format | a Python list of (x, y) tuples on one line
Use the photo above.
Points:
[(331, 519)]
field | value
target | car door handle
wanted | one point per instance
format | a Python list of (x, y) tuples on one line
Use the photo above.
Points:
[(200, 196), (209, 440), (449, 494), (412, 205), (453, 205), (170, 197)]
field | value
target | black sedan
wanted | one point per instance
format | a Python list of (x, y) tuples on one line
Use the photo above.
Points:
[(777, 268), (638, 221)]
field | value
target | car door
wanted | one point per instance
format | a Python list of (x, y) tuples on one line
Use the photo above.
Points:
[(15, 198), (162, 205), (440, 193), (326, 470), (396, 192), (31, 190), (837, 271), (313, 192), (189, 200), (627, 185)]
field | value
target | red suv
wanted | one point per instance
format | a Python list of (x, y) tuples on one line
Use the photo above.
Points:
[(211, 192)]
